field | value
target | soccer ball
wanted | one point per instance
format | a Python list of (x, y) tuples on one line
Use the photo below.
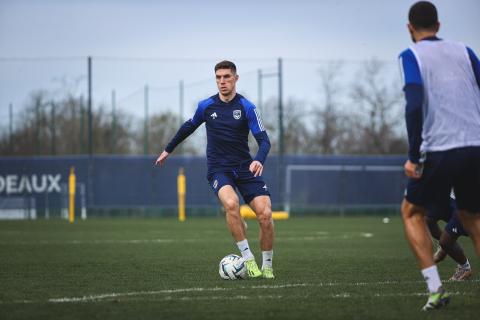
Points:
[(232, 267)]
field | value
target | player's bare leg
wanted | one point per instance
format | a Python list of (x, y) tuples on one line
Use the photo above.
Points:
[(419, 239), (229, 199), (417, 233), (471, 222), (436, 233), (263, 209), (453, 249)]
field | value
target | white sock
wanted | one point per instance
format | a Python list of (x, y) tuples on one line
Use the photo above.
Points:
[(432, 278), (245, 250), (267, 258), (466, 265)]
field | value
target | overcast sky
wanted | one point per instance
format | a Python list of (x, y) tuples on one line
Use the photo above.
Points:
[(254, 33)]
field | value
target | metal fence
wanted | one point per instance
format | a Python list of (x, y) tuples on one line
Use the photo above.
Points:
[(108, 183)]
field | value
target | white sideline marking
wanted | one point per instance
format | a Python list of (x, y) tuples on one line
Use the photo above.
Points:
[(168, 292), (320, 235)]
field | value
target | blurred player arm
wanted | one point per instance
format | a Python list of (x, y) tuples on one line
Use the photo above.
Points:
[(475, 65), (258, 130), (263, 146), (414, 96), (185, 130)]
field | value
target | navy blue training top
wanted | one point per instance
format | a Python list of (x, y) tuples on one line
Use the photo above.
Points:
[(228, 126)]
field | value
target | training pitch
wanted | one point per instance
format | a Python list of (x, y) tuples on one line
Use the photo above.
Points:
[(328, 268)]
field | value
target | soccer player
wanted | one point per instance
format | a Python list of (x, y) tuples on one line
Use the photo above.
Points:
[(228, 118), (447, 238), (442, 92)]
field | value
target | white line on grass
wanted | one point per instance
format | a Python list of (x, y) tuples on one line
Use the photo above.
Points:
[(319, 236), (213, 289), (169, 292)]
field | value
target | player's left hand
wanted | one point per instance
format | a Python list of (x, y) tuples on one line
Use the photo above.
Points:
[(256, 167), (412, 170)]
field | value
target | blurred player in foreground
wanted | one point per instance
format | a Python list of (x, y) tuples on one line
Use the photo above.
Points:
[(228, 118), (447, 238), (442, 80)]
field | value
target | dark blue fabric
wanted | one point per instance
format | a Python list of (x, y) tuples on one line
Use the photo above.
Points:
[(411, 70), (263, 146), (447, 211), (228, 126), (242, 179), (454, 226), (475, 65), (457, 169), (414, 119), (185, 130)]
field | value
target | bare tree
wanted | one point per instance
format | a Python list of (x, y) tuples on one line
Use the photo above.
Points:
[(328, 120), (162, 128), (49, 127), (376, 119)]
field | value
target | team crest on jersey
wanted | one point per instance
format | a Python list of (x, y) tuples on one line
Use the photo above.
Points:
[(237, 114), (214, 115)]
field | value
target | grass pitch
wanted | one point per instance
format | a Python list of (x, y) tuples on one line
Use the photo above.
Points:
[(328, 268)]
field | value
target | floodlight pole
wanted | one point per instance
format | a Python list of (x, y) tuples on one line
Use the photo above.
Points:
[(114, 123), (53, 133), (181, 101), (259, 90), (145, 129), (10, 126), (181, 104), (37, 128), (90, 138), (281, 149)]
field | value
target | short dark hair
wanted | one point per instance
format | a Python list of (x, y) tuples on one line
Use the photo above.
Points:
[(225, 64), (423, 15)]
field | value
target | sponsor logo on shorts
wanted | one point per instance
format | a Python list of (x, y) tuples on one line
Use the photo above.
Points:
[(265, 187), (237, 114), (215, 184)]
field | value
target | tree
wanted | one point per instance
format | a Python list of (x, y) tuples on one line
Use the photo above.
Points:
[(327, 126), (374, 127)]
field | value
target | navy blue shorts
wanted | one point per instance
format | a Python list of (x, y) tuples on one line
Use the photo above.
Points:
[(454, 226), (443, 170), (447, 211), (242, 180)]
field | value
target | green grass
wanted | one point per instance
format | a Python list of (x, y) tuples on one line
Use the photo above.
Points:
[(329, 268)]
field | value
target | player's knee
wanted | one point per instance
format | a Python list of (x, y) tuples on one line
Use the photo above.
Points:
[(231, 205), (264, 216), (410, 210)]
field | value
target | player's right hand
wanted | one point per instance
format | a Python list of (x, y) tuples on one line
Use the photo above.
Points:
[(412, 170), (162, 158), (256, 168)]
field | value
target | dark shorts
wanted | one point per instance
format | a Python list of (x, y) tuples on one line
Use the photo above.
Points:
[(458, 169), (454, 226), (242, 180), (447, 211)]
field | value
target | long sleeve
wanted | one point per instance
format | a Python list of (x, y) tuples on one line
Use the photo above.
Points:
[(263, 146), (185, 130), (414, 119), (414, 96)]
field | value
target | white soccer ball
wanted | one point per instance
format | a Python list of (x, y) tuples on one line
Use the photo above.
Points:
[(232, 267)]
